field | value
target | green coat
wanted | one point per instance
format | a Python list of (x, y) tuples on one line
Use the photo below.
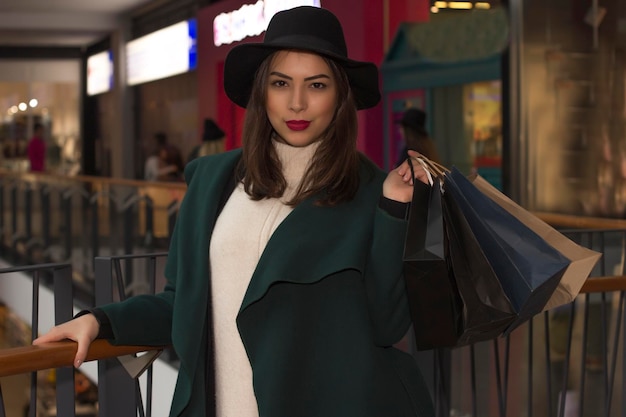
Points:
[(324, 306)]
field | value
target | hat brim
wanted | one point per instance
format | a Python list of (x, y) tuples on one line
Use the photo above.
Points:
[(243, 61)]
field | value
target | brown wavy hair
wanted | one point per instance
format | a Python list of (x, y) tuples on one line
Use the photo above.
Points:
[(334, 169)]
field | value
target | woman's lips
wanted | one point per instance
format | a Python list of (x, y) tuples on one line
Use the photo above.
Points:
[(298, 124)]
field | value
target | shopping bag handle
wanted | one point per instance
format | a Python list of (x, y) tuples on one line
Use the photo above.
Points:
[(428, 173), (434, 167)]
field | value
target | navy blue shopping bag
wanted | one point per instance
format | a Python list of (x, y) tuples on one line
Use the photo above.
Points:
[(528, 268)]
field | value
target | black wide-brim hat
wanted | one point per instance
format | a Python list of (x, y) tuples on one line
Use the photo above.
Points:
[(304, 28)]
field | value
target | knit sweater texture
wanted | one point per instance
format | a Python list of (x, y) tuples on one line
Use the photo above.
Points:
[(241, 233)]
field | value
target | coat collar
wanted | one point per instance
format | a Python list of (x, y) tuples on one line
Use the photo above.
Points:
[(311, 243)]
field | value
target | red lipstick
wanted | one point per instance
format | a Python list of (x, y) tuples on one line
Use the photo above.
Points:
[(298, 124)]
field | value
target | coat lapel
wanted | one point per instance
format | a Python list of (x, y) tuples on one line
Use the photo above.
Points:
[(313, 242)]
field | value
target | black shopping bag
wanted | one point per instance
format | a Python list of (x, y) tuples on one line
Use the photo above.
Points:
[(433, 299), (528, 267), (487, 311), (454, 296)]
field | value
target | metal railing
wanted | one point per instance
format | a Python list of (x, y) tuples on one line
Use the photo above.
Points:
[(119, 392), (118, 388), (90, 224), (54, 218), (563, 362), (61, 276)]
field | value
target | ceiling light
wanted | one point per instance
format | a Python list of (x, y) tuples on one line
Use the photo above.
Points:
[(33, 102), (482, 5), (22, 106), (460, 4)]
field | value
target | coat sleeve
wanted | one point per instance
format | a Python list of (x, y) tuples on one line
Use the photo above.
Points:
[(142, 319), (384, 280)]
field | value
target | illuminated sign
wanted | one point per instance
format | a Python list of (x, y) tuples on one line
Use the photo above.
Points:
[(99, 73), (163, 53), (251, 19)]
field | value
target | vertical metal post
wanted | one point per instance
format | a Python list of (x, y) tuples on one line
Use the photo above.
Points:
[(518, 178), (66, 212), (95, 229), (45, 215), (14, 212), (623, 385), (2, 412), (63, 304), (28, 223), (129, 231), (34, 333), (116, 389), (149, 212), (2, 232), (28, 212)]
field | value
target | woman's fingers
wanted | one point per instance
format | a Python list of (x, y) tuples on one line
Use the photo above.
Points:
[(81, 352), (418, 169), (82, 330)]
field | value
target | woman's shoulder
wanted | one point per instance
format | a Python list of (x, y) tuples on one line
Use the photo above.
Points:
[(371, 178), (212, 163), (368, 170)]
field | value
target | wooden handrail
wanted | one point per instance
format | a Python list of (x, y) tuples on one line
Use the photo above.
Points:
[(34, 177), (580, 222), (604, 284), (25, 359)]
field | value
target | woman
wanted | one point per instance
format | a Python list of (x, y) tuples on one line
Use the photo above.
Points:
[(302, 296)]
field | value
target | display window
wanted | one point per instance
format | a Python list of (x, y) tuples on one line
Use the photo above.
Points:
[(482, 117)]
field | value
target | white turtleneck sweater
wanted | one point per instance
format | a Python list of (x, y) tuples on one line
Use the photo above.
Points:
[(239, 238)]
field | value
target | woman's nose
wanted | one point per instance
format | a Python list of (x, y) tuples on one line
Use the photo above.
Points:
[(298, 100)]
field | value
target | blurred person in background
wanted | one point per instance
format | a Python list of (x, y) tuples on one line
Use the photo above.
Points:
[(415, 136), (36, 149), (212, 141), (165, 162)]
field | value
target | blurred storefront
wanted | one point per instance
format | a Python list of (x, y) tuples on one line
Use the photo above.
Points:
[(451, 67), (153, 89), (572, 106), (46, 92)]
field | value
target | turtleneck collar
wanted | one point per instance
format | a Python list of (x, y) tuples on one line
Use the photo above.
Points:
[(294, 160)]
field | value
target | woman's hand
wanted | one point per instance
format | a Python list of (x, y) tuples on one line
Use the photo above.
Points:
[(82, 330), (399, 184)]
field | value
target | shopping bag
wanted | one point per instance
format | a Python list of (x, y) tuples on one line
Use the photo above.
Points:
[(487, 311), (454, 296), (433, 300), (582, 259), (528, 267)]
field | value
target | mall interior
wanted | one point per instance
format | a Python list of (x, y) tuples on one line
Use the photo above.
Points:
[(528, 94)]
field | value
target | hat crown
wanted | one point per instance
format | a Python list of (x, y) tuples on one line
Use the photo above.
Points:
[(305, 27)]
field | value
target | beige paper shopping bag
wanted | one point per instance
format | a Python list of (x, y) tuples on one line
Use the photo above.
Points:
[(583, 259)]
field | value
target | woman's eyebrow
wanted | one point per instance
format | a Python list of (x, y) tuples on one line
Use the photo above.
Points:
[(312, 77)]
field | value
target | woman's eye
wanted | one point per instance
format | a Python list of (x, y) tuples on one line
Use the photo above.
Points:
[(318, 85), (279, 83)]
